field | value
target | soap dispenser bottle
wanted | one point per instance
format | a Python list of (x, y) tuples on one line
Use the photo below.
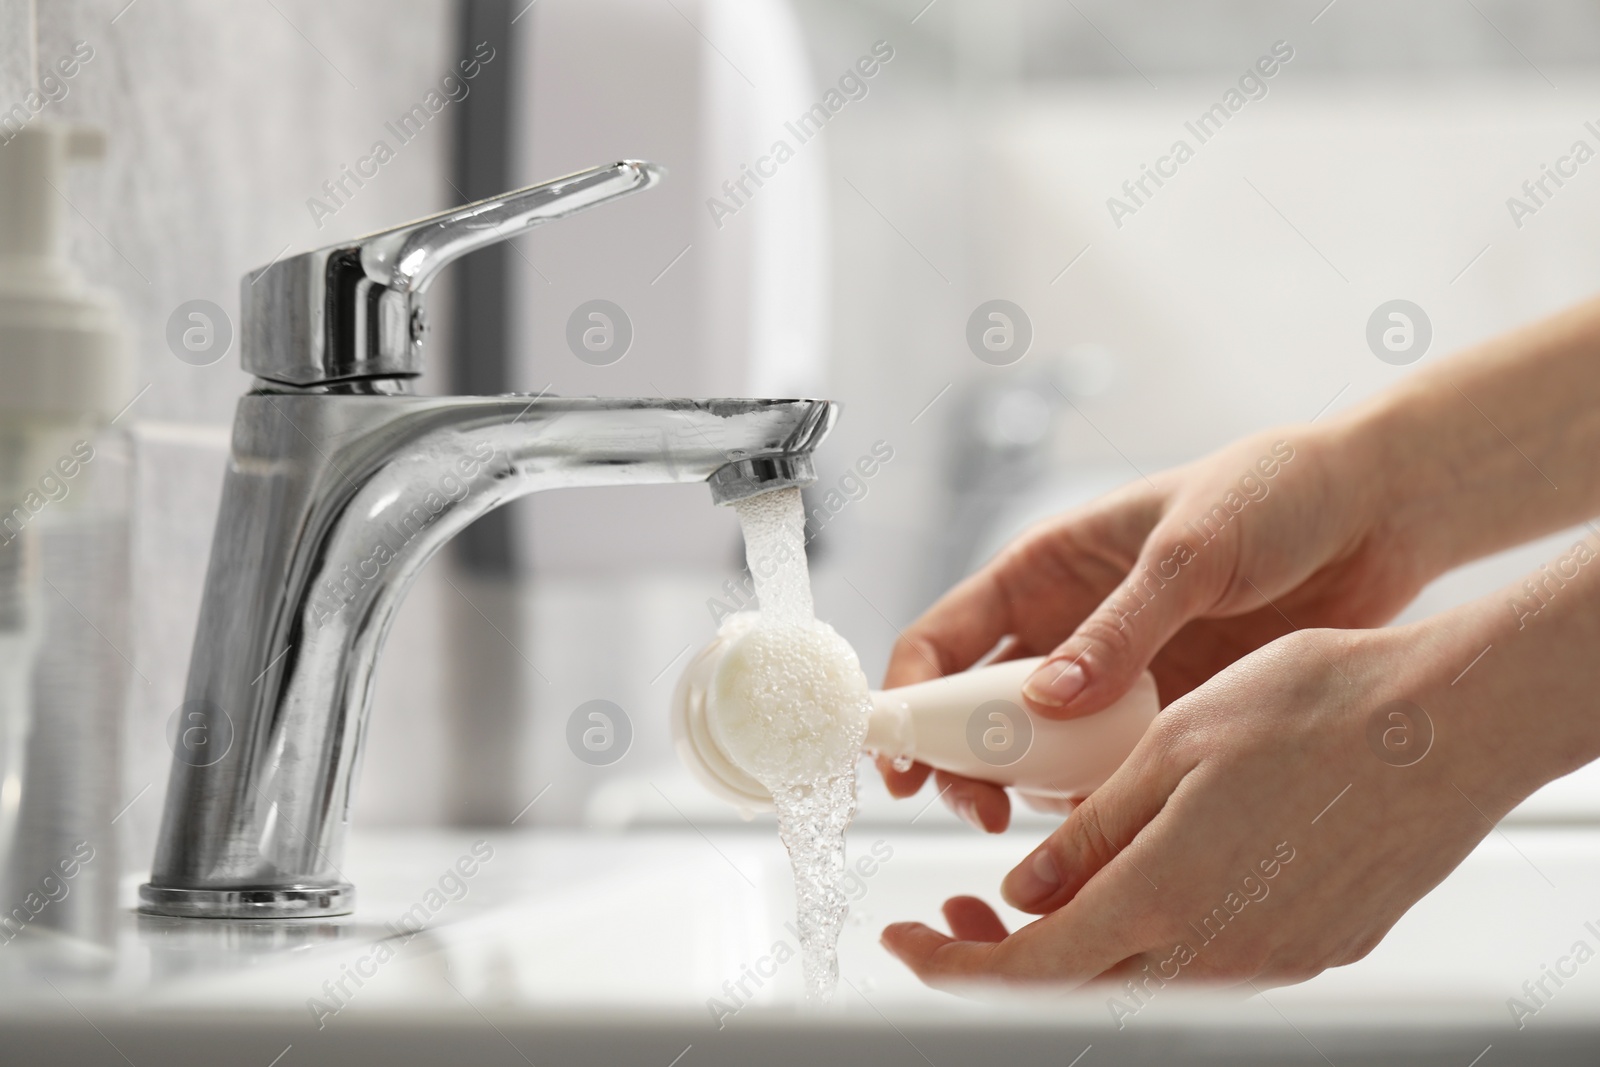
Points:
[(65, 470)]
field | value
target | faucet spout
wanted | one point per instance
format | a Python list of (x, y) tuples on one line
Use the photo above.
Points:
[(331, 505)]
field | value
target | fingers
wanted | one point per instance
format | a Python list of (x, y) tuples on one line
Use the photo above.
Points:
[(1042, 584), (1069, 948), (1049, 804), (983, 805), (939, 960), (1103, 657), (1097, 831), (955, 633), (1035, 591), (972, 919), (902, 784)]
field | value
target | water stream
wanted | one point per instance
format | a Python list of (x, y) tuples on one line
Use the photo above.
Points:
[(806, 718)]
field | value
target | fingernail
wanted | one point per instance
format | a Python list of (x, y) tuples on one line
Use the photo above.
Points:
[(1055, 683), (967, 808), (1032, 881)]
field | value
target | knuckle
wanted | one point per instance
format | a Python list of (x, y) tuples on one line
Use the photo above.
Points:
[(1302, 643), (1250, 958), (1014, 959), (1109, 630), (1298, 959), (1359, 950), (912, 648), (1145, 918), (1085, 835), (1239, 962), (1167, 739), (904, 645), (1169, 731), (1308, 661), (1291, 973), (957, 794), (1168, 553)]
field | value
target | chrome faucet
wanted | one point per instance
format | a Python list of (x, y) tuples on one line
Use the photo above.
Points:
[(341, 484)]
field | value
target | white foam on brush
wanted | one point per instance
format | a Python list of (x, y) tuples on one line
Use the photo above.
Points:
[(788, 704)]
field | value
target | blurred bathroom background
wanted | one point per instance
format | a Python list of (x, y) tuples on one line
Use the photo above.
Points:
[(973, 164)]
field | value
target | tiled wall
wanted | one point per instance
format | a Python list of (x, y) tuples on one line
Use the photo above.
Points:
[(223, 119)]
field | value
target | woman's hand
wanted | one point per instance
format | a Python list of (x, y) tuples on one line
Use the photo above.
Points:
[(1279, 819), (1190, 570), (1273, 799), (1183, 574)]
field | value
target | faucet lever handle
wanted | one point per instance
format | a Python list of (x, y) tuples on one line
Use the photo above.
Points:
[(355, 309)]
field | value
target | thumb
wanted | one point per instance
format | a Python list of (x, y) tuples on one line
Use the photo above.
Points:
[(1105, 655)]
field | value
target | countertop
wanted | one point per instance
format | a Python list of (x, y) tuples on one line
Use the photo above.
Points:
[(671, 948)]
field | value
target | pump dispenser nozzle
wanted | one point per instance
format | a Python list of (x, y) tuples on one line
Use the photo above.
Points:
[(63, 350)]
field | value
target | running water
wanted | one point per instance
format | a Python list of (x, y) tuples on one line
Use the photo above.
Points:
[(805, 702)]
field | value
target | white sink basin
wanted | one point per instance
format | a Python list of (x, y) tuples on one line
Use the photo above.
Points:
[(566, 948)]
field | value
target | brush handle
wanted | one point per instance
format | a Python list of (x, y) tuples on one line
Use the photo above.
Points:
[(977, 725)]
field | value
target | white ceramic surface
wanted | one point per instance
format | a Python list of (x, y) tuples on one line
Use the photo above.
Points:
[(606, 941)]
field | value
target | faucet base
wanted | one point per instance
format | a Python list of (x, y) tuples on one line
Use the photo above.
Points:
[(279, 902)]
